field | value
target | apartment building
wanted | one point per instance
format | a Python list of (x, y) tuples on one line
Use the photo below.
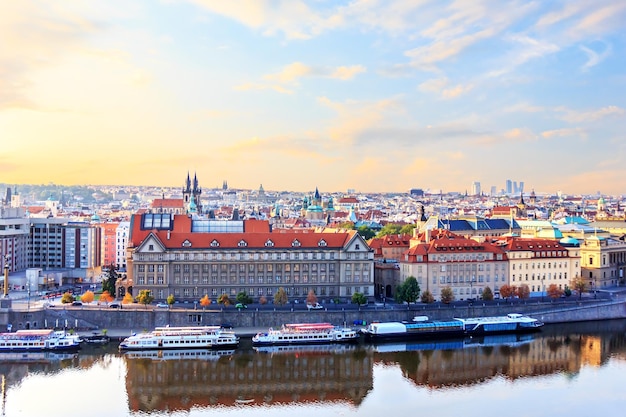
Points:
[(14, 228), (440, 258), (603, 261)]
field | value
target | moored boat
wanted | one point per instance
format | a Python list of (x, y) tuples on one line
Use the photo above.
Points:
[(420, 329), (511, 323), (304, 334), (193, 337), (38, 340)]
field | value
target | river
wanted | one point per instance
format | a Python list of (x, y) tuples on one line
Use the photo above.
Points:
[(573, 369)]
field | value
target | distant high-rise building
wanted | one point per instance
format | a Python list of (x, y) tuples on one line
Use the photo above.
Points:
[(476, 188), (521, 186), (509, 187), (417, 192), (493, 190)]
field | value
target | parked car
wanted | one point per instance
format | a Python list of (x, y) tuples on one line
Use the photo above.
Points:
[(77, 303), (316, 306), (115, 305), (162, 305), (239, 306)]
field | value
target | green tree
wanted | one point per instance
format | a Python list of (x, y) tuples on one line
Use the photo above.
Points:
[(366, 232), (108, 282), (447, 295), (170, 300), (427, 297), (244, 298), (145, 297), (389, 229), (280, 297), (408, 291), (359, 298), (567, 291), (408, 229), (487, 294)]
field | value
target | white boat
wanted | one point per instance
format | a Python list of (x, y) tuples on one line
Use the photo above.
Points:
[(305, 333), (38, 340), (199, 337), (511, 323)]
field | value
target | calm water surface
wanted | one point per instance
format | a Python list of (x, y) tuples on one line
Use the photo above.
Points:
[(574, 370)]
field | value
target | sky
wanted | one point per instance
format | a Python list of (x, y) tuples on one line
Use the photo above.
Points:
[(370, 95)]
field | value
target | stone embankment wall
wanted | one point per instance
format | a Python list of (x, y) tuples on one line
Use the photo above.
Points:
[(141, 318)]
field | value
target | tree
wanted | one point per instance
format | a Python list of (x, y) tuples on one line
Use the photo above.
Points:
[(311, 298), (280, 297), (224, 300), (87, 297), (128, 299), (487, 294), (205, 301), (523, 292), (243, 298), (579, 284), (366, 232), (106, 297), (170, 299), (389, 229), (67, 298), (507, 291), (408, 229), (427, 297), (408, 291), (359, 298), (144, 297), (567, 291), (554, 291), (108, 282), (447, 295), (262, 300)]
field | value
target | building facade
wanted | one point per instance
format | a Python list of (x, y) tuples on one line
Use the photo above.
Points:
[(440, 259), (603, 261), (189, 257), (14, 227)]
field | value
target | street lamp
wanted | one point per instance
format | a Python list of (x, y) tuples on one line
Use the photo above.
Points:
[(6, 276)]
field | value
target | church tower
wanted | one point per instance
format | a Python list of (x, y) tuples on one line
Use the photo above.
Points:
[(191, 194)]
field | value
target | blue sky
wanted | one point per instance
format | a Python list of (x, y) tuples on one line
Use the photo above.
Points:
[(365, 95)]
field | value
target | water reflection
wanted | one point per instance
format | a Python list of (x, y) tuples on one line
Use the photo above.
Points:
[(309, 376)]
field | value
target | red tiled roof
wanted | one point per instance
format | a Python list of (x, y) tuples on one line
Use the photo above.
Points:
[(256, 236), (168, 203)]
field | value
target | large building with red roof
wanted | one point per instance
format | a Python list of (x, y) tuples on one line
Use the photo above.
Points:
[(191, 256)]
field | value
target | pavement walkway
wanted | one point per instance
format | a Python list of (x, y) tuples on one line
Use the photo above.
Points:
[(119, 334)]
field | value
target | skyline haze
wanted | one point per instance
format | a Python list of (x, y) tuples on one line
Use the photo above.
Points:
[(375, 96)]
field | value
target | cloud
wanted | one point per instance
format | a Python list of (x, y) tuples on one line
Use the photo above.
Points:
[(525, 49), (574, 116), (565, 132), (594, 58), (440, 86), (291, 74)]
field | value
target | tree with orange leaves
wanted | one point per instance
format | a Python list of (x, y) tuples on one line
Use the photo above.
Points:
[(87, 297), (106, 297), (205, 301)]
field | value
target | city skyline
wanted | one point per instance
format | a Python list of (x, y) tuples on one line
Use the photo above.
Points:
[(296, 95)]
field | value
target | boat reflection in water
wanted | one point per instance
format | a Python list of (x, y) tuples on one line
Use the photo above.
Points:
[(165, 355)]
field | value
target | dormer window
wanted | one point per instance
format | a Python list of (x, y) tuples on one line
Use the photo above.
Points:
[(357, 247), (269, 243), (186, 244), (322, 243), (296, 243), (215, 243), (242, 243)]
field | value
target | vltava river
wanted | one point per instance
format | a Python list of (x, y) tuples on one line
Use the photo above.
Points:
[(573, 370)]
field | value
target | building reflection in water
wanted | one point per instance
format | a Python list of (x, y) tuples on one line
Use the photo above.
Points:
[(179, 380)]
